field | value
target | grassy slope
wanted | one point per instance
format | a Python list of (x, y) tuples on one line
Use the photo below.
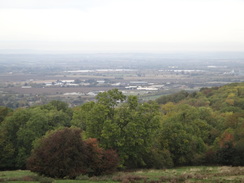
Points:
[(182, 174)]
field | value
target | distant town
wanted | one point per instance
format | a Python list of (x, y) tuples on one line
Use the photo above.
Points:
[(27, 80)]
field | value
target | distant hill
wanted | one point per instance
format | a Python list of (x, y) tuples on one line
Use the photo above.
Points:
[(227, 98)]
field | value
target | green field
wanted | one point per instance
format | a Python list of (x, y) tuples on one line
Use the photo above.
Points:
[(183, 174)]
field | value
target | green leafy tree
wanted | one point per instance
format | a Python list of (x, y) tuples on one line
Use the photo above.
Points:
[(124, 125), (183, 146), (7, 153), (23, 127), (183, 135), (4, 112), (81, 115), (132, 131), (110, 98), (176, 97), (8, 138)]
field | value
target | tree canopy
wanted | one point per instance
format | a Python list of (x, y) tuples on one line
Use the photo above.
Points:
[(203, 127)]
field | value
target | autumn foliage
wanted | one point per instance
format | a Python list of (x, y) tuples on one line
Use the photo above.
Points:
[(200, 128), (100, 161), (59, 154), (63, 153)]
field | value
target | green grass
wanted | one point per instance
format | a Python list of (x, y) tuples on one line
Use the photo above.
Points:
[(82, 181), (15, 173), (182, 174)]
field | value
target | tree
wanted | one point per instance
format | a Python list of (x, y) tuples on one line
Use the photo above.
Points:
[(81, 115), (229, 147), (131, 131), (183, 134), (7, 152), (101, 112), (110, 98), (60, 153), (176, 97), (23, 127), (61, 107), (183, 146), (129, 128), (4, 112), (226, 151), (100, 161), (8, 138)]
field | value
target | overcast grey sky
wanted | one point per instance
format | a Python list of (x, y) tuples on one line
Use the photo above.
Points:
[(122, 25)]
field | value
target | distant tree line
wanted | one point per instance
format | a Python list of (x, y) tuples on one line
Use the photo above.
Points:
[(117, 131)]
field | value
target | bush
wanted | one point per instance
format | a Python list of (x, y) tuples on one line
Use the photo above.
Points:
[(59, 154), (100, 161), (227, 155), (63, 153), (159, 159)]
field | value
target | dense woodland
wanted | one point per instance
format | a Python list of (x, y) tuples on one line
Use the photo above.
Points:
[(117, 131)]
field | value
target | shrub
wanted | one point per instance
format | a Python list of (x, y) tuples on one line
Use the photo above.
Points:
[(100, 161), (158, 159), (61, 153), (226, 155)]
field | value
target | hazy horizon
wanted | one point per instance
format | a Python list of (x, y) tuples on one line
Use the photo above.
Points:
[(157, 26)]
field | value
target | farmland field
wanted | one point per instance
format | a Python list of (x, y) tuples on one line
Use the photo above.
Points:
[(181, 174), (27, 80)]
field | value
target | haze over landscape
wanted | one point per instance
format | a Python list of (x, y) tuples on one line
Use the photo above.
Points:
[(80, 26), (96, 87), (142, 47)]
